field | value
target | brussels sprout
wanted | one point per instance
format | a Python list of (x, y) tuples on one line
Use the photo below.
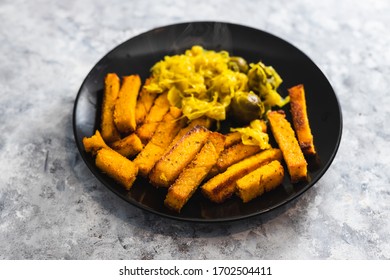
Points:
[(264, 80), (247, 106), (238, 64)]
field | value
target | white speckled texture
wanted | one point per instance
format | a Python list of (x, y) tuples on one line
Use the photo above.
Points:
[(51, 206)]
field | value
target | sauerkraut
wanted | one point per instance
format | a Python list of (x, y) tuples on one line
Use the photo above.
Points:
[(254, 135), (199, 82), (202, 83)]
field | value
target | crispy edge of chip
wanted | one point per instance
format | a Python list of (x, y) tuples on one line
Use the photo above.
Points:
[(301, 120), (288, 143), (232, 138)]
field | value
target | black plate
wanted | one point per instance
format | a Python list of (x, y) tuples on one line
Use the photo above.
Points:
[(138, 54)]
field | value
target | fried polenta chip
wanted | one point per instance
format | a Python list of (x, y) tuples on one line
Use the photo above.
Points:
[(153, 118), (285, 137), (222, 186), (121, 169), (232, 138), (124, 112), (169, 166), (259, 181), (202, 121), (94, 143), (128, 146), (144, 103), (107, 124), (301, 120), (193, 175), (234, 154), (156, 147)]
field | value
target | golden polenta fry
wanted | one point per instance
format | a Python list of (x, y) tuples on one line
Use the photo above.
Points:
[(124, 112), (128, 146), (156, 147), (94, 143), (292, 153), (121, 169), (157, 112), (232, 138), (234, 154), (235, 151), (222, 186), (169, 166), (301, 120), (144, 103), (193, 174), (202, 121), (110, 95), (259, 181)]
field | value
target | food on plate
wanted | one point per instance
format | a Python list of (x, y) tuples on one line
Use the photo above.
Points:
[(194, 173), (203, 121), (234, 154), (144, 103), (247, 106), (300, 119), (109, 131), (117, 167), (169, 166), (203, 82), (242, 143), (222, 186), (165, 132), (263, 179), (287, 142), (168, 129), (111, 162), (238, 64), (94, 143), (153, 118), (128, 146), (124, 112), (232, 138), (265, 81), (254, 134)]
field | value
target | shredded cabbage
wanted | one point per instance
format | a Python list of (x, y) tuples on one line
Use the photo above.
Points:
[(264, 80), (202, 83), (254, 135), (198, 81)]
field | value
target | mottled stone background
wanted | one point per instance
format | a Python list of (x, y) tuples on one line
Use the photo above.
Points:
[(52, 207)]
